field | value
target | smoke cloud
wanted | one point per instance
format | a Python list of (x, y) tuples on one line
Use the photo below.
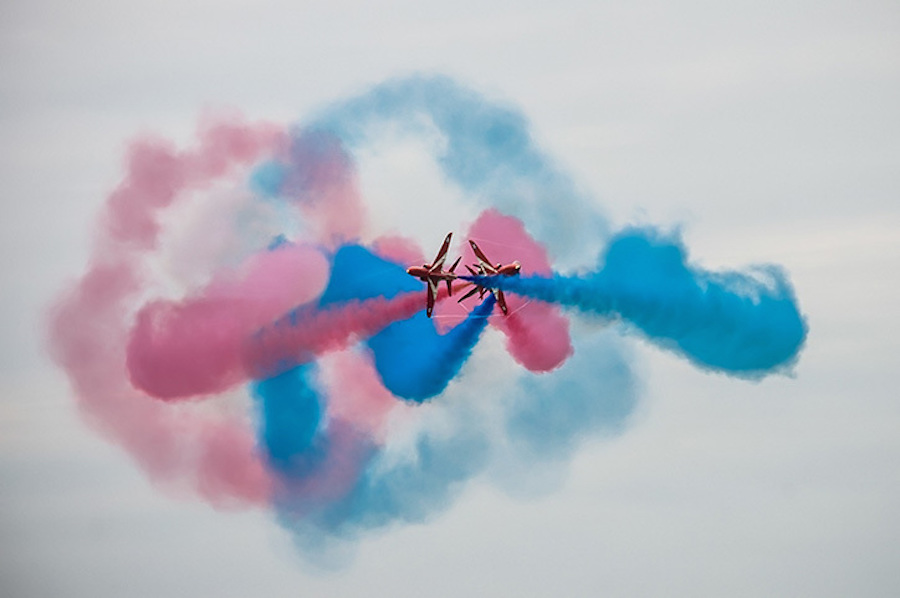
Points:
[(299, 373)]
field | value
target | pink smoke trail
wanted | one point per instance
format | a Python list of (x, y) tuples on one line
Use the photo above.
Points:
[(89, 323), (537, 334), (181, 349), (400, 250), (309, 332)]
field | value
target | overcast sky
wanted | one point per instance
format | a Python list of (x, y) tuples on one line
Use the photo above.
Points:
[(769, 131)]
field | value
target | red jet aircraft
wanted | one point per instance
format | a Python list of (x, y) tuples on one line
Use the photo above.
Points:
[(432, 274), (484, 268)]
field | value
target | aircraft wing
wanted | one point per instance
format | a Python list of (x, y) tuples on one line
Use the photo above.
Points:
[(471, 292), (501, 301), (441, 256), (485, 262), (429, 299)]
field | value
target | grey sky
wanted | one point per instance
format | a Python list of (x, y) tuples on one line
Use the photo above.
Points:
[(768, 131)]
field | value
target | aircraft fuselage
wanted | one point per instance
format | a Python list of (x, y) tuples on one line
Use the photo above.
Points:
[(424, 273), (509, 269)]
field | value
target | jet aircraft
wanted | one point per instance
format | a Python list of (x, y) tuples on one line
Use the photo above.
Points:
[(432, 274), (485, 268)]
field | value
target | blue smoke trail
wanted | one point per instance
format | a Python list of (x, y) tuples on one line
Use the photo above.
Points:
[(418, 485), (417, 363), (487, 149), (594, 391), (728, 321), (359, 274), (290, 417)]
